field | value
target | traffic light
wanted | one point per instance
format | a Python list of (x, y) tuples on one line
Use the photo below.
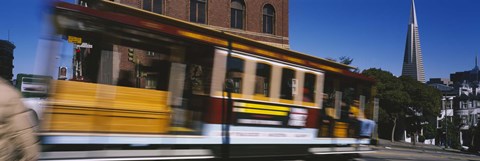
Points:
[(77, 54), (131, 55)]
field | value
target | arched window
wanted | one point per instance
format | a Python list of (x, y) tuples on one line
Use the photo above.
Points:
[(198, 10), (268, 19), (153, 6), (237, 14)]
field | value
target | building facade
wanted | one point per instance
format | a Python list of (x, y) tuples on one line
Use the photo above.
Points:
[(6, 59), (265, 21), (461, 101), (262, 20), (444, 81), (412, 61)]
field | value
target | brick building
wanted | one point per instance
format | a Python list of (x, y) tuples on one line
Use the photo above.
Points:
[(143, 66), (6, 59), (262, 20)]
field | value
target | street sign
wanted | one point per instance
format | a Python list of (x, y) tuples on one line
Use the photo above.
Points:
[(33, 85), (85, 45), (76, 40)]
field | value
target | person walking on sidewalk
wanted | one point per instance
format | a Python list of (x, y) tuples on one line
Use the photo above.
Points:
[(17, 135)]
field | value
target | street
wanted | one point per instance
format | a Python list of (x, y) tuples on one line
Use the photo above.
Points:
[(394, 154), (383, 153)]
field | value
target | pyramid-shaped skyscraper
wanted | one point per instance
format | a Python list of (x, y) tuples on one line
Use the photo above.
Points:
[(412, 61)]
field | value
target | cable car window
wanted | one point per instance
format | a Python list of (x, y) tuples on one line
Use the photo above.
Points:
[(235, 68), (288, 76), (309, 88), (262, 79)]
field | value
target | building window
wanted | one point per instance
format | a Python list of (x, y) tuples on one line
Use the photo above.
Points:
[(237, 14), (288, 79), (262, 79), (268, 19), (150, 53), (198, 9), (153, 6), (235, 68), (309, 87), (151, 82), (464, 119)]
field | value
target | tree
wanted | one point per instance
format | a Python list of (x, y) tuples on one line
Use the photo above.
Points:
[(430, 131), (405, 101), (453, 139), (393, 99), (345, 60), (425, 103)]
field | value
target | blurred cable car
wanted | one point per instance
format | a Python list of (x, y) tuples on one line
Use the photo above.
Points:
[(148, 86)]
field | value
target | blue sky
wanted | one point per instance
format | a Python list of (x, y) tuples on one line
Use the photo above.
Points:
[(372, 32), (22, 18)]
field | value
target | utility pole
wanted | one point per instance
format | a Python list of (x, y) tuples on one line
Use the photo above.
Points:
[(227, 113), (445, 118)]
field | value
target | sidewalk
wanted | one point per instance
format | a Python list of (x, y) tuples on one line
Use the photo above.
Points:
[(421, 146)]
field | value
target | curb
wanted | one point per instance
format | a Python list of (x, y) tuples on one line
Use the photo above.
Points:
[(420, 146)]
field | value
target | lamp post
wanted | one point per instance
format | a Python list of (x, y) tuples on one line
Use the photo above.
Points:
[(445, 118)]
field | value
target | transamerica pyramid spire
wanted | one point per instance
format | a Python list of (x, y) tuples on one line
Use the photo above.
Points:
[(412, 61), (413, 14)]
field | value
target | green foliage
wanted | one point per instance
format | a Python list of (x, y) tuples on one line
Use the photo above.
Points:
[(402, 97), (421, 138), (424, 98), (345, 60), (393, 98), (425, 103), (453, 134), (430, 130), (474, 145)]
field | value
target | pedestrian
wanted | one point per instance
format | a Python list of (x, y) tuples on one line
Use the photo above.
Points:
[(17, 135)]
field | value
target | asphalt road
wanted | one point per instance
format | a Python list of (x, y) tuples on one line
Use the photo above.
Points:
[(403, 154), (399, 154), (382, 154)]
